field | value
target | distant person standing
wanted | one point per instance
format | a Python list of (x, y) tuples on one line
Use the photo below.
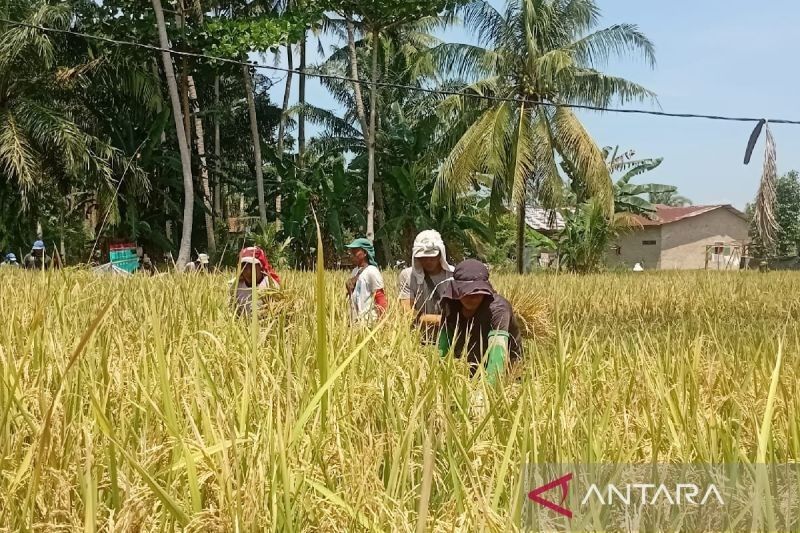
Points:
[(200, 265), (420, 285), (10, 261), (37, 258), (146, 265), (365, 287)]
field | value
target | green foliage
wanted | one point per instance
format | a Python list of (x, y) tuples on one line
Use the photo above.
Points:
[(236, 37), (382, 14), (787, 213), (88, 147), (325, 186), (587, 236), (537, 50)]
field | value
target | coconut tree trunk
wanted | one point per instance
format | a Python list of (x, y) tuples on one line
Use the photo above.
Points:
[(217, 153), (251, 109), (371, 141), (375, 210), (521, 226), (351, 47), (200, 143), (287, 92), (301, 119), (186, 160)]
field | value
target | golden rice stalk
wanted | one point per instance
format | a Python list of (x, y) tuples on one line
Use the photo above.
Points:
[(532, 312), (281, 301)]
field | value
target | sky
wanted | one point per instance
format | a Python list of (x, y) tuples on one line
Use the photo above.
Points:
[(719, 57)]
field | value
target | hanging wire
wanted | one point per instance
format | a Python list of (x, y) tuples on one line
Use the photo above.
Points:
[(443, 92)]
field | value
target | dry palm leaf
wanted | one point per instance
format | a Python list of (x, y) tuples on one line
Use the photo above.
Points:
[(764, 218)]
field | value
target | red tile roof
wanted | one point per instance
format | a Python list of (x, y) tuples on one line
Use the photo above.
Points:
[(666, 214)]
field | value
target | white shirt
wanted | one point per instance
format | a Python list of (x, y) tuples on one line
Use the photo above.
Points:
[(243, 296), (362, 301)]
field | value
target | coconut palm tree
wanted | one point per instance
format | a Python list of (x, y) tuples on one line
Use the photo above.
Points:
[(42, 137), (535, 52)]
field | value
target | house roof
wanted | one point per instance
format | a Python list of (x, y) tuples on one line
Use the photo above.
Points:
[(667, 214), (543, 219)]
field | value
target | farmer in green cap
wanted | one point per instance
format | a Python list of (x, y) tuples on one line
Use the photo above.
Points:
[(365, 287), (477, 321)]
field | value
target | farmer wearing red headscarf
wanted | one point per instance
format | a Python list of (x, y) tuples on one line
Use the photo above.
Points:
[(255, 273)]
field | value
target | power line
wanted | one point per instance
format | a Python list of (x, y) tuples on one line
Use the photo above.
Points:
[(444, 92)]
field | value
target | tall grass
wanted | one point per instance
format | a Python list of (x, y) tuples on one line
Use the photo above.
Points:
[(165, 411)]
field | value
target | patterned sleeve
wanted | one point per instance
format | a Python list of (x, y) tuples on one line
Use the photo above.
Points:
[(404, 284)]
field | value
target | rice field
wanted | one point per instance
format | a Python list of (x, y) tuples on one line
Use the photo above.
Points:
[(144, 404)]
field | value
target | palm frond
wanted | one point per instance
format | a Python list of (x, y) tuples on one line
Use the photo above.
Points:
[(17, 157), (575, 143), (326, 118), (522, 149), (619, 40), (53, 131), (29, 44), (547, 68), (590, 87), (548, 186), (465, 61), (581, 15), (485, 21), (467, 158), (498, 140), (625, 222)]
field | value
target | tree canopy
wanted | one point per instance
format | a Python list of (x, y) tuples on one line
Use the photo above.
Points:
[(89, 141)]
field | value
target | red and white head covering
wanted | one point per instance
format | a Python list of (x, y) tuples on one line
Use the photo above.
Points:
[(256, 256)]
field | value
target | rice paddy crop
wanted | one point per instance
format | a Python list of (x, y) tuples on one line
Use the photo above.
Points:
[(145, 404)]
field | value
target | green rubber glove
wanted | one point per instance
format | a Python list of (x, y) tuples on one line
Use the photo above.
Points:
[(444, 343), (496, 355)]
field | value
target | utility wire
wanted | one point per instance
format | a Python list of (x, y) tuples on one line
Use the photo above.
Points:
[(399, 86)]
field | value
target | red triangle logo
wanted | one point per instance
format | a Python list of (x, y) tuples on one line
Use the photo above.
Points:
[(562, 482)]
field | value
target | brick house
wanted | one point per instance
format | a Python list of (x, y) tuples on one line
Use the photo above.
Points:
[(685, 238)]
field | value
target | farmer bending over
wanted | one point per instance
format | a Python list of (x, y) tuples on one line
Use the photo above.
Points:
[(365, 287), (255, 273), (477, 321), (420, 285)]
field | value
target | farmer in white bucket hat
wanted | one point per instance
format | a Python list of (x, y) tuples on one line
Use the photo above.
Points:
[(201, 264), (419, 285)]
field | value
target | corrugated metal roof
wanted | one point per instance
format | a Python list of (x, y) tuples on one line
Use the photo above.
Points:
[(543, 219)]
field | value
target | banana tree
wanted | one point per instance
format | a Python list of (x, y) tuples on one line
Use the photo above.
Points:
[(629, 197)]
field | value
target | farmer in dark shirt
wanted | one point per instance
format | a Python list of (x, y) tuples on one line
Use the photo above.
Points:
[(477, 321)]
